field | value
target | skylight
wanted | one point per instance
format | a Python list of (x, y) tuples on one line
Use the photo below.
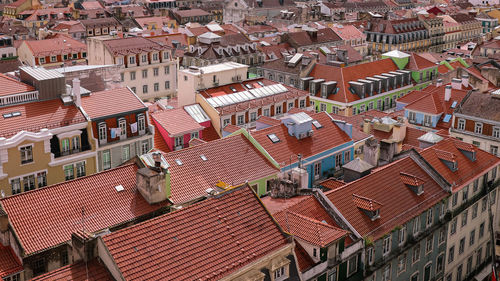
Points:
[(454, 104), (11, 114), (178, 161), (233, 89), (16, 113), (249, 86), (273, 138), (317, 124), (7, 115), (447, 118), (260, 83), (119, 188), (203, 157)]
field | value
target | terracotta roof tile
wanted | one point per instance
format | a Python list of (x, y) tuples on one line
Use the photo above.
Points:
[(159, 142), (313, 231), (57, 209), (401, 206), (78, 272), (217, 228), (304, 261), (111, 102), (445, 155), (55, 46), (268, 120), (428, 103), (418, 62), (11, 86), (9, 263), (209, 134), (230, 128), (302, 38), (274, 205), (132, 45), (410, 179), (332, 183), (233, 160), (176, 121), (467, 169), (89, 5), (365, 203), (412, 135), (38, 115), (327, 137)]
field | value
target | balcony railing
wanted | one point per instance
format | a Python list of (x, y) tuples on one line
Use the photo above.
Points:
[(58, 154)]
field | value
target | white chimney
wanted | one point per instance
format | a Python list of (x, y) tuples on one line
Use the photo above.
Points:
[(439, 82), (447, 93), (465, 80), (77, 95), (456, 83)]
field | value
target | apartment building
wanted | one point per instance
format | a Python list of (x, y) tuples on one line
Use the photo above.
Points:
[(435, 27), (470, 28), (147, 67), (101, 26), (452, 32), (120, 126), (52, 52), (476, 121)]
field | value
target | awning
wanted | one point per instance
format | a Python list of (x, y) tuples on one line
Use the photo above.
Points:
[(487, 270)]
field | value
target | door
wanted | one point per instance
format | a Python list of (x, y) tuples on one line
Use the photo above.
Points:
[(427, 272)]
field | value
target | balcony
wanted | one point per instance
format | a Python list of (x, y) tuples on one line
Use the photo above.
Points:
[(83, 148)]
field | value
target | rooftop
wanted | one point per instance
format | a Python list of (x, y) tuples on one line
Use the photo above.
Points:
[(482, 106), (58, 209), (11, 86), (229, 231), (99, 105), (132, 45), (55, 46), (78, 272), (214, 68), (176, 121), (9, 263)]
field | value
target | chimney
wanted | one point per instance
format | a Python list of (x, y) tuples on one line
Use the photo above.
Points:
[(447, 92), (465, 80), (154, 183), (456, 83), (77, 95), (84, 245), (439, 82)]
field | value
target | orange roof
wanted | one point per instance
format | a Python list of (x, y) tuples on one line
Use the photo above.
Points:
[(304, 261), (449, 149), (233, 160), (429, 103), (55, 46), (11, 86), (365, 203), (9, 263), (411, 179), (35, 116), (343, 75), (159, 142), (209, 134), (57, 209), (230, 128), (110, 102), (327, 137), (78, 272), (305, 228), (418, 62), (332, 183), (218, 236), (400, 207), (176, 121)]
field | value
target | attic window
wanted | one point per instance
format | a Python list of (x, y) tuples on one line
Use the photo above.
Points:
[(317, 124), (448, 158), (273, 138), (467, 150), (119, 188), (249, 86), (233, 89), (415, 183), (447, 118), (369, 206), (178, 161), (454, 104), (203, 157), (16, 113)]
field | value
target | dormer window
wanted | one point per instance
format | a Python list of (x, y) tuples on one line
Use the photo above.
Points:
[(478, 129), (415, 183), (369, 206), (468, 150), (448, 158)]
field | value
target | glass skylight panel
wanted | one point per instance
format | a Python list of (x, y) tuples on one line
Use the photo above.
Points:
[(16, 113), (203, 157), (7, 115), (178, 161), (233, 89), (260, 83), (249, 86), (317, 124), (273, 138), (454, 104), (447, 118)]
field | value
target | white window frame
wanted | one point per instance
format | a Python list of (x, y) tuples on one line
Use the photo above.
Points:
[(478, 128), (402, 235), (461, 124), (386, 245), (141, 124), (102, 132)]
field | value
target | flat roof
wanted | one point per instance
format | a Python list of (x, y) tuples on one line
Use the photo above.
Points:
[(40, 73), (218, 67)]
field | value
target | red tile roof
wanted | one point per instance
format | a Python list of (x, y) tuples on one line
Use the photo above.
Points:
[(38, 115), (332, 183), (308, 229), (401, 206), (219, 236), (467, 169), (350, 73), (111, 102), (9, 262), (327, 137), (274, 205), (304, 261), (11, 86), (418, 62), (365, 203), (428, 103), (176, 121), (132, 45), (209, 134), (159, 142), (412, 135), (230, 128), (78, 272), (268, 120), (55, 46), (410, 179), (57, 209), (89, 5), (233, 160)]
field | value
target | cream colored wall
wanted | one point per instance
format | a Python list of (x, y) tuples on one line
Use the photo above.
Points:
[(25, 54)]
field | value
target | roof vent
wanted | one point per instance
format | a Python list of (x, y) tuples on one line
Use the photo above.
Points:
[(203, 157), (178, 161), (119, 188)]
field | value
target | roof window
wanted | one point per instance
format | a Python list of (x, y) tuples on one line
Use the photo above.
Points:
[(178, 161), (203, 157), (317, 124), (369, 206), (260, 83), (119, 188), (415, 183), (273, 138)]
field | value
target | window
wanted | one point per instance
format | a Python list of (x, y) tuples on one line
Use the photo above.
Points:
[(167, 69), (478, 128), (416, 225), (133, 89), (141, 123), (179, 141), (102, 131), (194, 135), (442, 236), (75, 143), (15, 185), (131, 59), (165, 55), (338, 160), (332, 275), (402, 235), (26, 154), (75, 56), (65, 146), (414, 277), (185, 78), (475, 207), (454, 200), (439, 264), (241, 120), (430, 217), (465, 214), (379, 104), (38, 267), (69, 173), (155, 56), (347, 156), (468, 270), (459, 273), (290, 105), (167, 85), (41, 179), (472, 237), (278, 109), (156, 87), (386, 274), (144, 147), (253, 116), (352, 265), (496, 132), (370, 106), (42, 60), (106, 160), (144, 58), (156, 71), (317, 170), (402, 263), (53, 58), (279, 273), (302, 103), (493, 196), (427, 120), (484, 204), (80, 169), (144, 73), (461, 124), (29, 182), (479, 254), (64, 257), (125, 152), (370, 254), (428, 244), (451, 254), (481, 230), (322, 107), (476, 143), (461, 246), (226, 122), (475, 185), (144, 89), (386, 246)]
